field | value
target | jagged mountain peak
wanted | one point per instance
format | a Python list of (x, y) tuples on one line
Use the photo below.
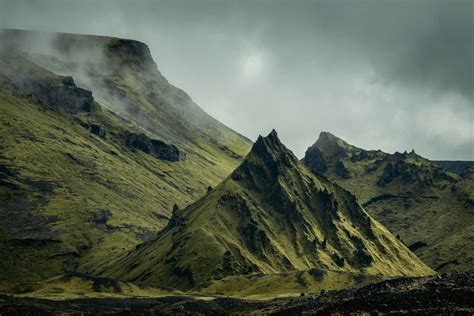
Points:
[(271, 142), (328, 150), (272, 135), (269, 145), (333, 145), (403, 190), (327, 136), (271, 216), (331, 155), (266, 161)]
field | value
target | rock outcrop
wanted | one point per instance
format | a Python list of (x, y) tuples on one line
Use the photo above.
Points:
[(65, 96), (58, 92), (154, 147)]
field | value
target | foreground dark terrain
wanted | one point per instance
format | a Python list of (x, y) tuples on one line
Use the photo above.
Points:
[(445, 294)]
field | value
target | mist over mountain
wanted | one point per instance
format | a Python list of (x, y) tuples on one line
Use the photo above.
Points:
[(302, 66), (86, 174)]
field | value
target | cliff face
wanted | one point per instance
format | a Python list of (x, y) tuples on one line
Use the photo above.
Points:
[(130, 53), (66, 97), (76, 99), (59, 92)]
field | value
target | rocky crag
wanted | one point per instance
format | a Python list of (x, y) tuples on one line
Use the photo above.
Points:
[(430, 209), (271, 217)]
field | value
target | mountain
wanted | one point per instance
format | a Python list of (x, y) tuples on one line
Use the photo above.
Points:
[(270, 217), (124, 78), (96, 148), (77, 285), (458, 167), (429, 208)]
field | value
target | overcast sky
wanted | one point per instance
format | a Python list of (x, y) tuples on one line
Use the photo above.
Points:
[(390, 75)]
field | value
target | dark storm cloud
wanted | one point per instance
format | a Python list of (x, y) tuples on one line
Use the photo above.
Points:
[(393, 75), (424, 44)]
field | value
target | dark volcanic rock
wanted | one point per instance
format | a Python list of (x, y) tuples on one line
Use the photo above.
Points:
[(97, 130), (449, 294), (315, 161), (58, 92), (417, 245), (409, 173), (389, 173), (342, 170), (66, 97), (154, 147)]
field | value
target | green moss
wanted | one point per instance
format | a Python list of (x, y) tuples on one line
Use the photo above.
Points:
[(81, 286), (269, 286)]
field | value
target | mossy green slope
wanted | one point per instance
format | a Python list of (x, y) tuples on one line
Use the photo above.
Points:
[(268, 286), (75, 191), (82, 286), (271, 216), (430, 209)]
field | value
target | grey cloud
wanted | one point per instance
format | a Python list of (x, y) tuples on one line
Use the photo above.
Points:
[(393, 75)]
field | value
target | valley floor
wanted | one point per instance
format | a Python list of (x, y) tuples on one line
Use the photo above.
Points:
[(445, 294)]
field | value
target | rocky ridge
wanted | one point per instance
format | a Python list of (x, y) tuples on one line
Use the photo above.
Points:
[(270, 216), (415, 198)]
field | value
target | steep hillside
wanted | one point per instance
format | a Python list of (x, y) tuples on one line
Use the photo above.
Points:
[(124, 79), (430, 209), (81, 183), (271, 216)]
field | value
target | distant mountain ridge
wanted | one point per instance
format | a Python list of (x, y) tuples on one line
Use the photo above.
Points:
[(431, 209), (458, 167)]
